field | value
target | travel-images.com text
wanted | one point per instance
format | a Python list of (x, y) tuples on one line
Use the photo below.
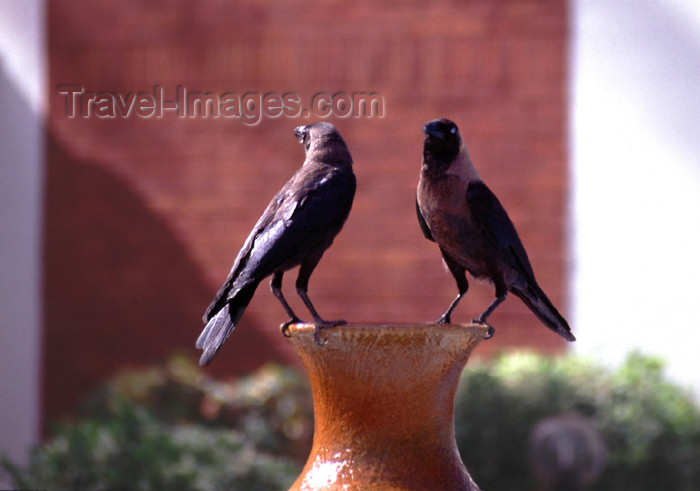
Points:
[(250, 108)]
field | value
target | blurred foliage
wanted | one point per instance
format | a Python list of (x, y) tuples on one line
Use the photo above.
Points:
[(651, 428), (174, 427), (135, 451), (273, 406)]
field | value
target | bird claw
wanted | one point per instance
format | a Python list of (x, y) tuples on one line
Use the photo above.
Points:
[(317, 338), (445, 319), (323, 325), (285, 327), (490, 332)]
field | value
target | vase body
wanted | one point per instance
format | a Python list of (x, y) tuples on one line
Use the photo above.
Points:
[(384, 405)]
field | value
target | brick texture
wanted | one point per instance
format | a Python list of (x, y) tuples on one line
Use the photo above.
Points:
[(144, 216)]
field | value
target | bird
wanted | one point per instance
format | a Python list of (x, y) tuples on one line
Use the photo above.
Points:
[(296, 228), (464, 217)]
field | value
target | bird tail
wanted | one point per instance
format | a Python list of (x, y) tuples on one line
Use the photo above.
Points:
[(221, 325), (542, 307)]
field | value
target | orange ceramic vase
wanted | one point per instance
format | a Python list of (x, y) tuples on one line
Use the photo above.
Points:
[(384, 406)]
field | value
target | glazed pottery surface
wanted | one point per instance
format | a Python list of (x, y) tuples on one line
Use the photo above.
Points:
[(384, 405)]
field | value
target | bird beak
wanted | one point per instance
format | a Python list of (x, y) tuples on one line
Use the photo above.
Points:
[(299, 133), (431, 130)]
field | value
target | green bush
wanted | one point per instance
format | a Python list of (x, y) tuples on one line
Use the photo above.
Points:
[(651, 428), (134, 451), (273, 406), (176, 428)]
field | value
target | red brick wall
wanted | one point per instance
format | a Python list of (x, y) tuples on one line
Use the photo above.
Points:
[(145, 216)]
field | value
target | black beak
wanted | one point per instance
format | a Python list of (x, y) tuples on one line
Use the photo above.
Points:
[(299, 133), (432, 129)]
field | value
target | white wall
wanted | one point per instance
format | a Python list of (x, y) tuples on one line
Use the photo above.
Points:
[(22, 72), (636, 178)]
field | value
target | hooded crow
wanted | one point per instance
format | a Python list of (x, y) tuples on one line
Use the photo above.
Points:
[(297, 227), (472, 229)]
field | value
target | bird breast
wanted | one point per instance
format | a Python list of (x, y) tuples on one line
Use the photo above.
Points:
[(443, 204)]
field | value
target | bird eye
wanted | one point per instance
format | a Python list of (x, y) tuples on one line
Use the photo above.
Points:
[(301, 133), (453, 130)]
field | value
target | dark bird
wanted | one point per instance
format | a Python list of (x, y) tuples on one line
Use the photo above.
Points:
[(296, 228), (458, 212)]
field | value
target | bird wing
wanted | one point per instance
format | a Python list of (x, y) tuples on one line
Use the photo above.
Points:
[(423, 225), (311, 214), (488, 212), (222, 295)]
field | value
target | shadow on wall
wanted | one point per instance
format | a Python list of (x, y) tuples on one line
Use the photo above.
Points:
[(119, 287)]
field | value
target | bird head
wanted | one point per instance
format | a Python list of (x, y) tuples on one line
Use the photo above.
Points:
[(441, 141), (322, 141)]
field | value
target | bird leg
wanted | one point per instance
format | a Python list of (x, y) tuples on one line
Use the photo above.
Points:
[(462, 287), (302, 288), (276, 287), (319, 323), (501, 294), (445, 319)]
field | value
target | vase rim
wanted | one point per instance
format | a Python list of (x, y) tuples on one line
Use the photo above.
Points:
[(476, 330)]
